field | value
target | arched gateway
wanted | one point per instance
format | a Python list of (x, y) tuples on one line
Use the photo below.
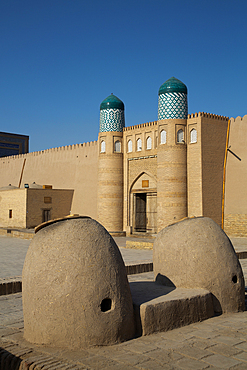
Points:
[(143, 204)]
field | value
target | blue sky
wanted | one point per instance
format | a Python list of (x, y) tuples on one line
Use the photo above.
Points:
[(61, 58)]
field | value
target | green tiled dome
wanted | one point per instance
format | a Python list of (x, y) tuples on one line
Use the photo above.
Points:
[(172, 100), (173, 85), (111, 114), (112, 101)]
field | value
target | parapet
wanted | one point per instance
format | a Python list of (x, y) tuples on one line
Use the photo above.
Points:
[(207, 115), (52, 150), (238, 119), (147, 124)]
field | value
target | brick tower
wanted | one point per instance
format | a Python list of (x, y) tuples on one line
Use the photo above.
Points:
[(110, 164), (172, 153)]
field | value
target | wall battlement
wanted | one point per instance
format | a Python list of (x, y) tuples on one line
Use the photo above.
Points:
[(244, 118), (51, 150), (147, 124), (207, 115)]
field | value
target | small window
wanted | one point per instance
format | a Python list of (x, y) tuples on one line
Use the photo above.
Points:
[(149, 143), (193, 136), (47, 199), (10, 213), (180, 136), (102, 147), (129, 146), (139, 145), (163, 137), (117, 146)]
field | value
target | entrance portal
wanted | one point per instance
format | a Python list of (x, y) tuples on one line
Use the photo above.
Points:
[(145, 212), (140, 214)]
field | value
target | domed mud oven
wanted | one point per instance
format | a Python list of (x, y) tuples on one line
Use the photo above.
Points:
[(75, 288)]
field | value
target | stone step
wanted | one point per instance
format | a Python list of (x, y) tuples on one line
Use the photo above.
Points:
[(159, 308)]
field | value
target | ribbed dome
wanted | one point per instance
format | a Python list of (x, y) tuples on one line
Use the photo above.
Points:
[(173, 85), (111, 102)]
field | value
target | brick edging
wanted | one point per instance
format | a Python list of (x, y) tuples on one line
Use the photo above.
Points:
[(139, 268), (241, 255), (10, 285), (13, 357), (14, 284)]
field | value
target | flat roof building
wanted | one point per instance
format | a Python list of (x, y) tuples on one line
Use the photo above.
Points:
[(13, 144)]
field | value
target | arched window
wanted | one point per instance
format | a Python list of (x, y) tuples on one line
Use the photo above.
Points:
[(117, 146), (180, 136), (102, 146), (163, 137), (139, 145), (149, 143), (193, 136), (129, 146)]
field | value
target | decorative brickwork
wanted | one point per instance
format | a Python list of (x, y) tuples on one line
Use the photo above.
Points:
[(111, 120), (172, 105)]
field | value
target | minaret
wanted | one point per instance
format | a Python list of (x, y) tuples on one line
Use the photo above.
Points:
[(110, 164), (172, 153)]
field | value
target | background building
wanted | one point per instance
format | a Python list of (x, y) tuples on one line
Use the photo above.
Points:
[(29, 207), (13, 144)]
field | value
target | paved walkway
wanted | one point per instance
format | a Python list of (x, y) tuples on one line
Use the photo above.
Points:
[(13, 252), (12, 255), (217, 343)]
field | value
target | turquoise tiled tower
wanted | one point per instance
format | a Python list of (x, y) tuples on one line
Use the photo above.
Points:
[(172, 100), (112, 114)]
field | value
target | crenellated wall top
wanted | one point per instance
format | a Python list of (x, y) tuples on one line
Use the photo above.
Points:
[(51, 150), (208, 115), (244, 118), (147, 124)]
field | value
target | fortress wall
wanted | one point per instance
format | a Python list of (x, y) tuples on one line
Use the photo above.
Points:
[(194, 168), (70, 167), (140, 126), (235, 220), (142, 131), (213, 137)]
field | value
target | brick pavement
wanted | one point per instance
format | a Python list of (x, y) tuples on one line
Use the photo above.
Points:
[(13, 252), (217, 343)]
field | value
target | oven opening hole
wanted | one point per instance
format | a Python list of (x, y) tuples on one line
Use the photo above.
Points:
[(105, 305), (234, 279)]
